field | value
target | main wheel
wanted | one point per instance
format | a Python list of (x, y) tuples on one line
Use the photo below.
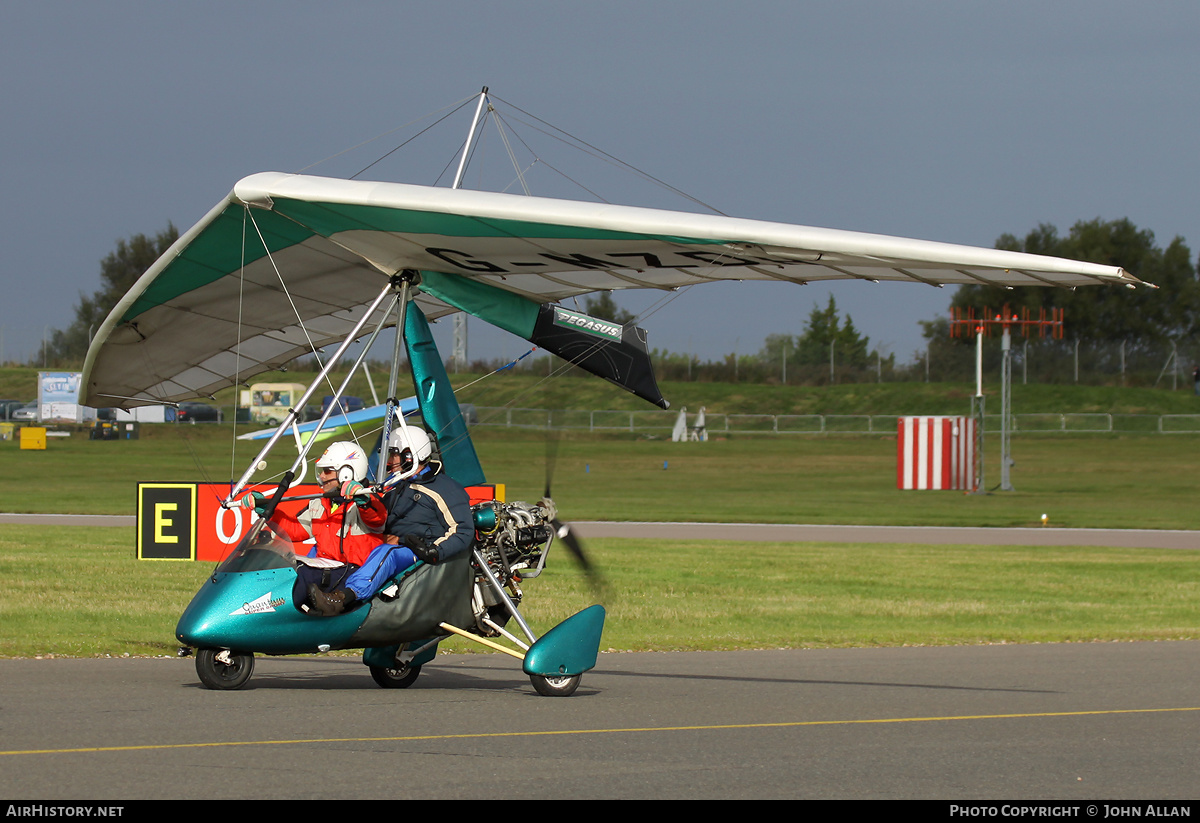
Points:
[(398, 678), (224, 669), (555, 686)]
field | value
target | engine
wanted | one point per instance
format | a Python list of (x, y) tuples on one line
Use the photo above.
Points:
[(513, 539)]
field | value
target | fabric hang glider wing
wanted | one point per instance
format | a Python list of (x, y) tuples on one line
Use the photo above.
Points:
[(289, 263)]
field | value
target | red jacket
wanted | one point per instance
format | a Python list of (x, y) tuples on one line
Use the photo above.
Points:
[(344, 532)]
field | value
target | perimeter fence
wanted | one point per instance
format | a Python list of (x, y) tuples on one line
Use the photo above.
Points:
[(1064, 362), (1166, 365), (661, 423)]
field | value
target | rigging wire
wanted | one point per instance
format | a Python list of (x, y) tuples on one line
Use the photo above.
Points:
[(506, 366), (538, 159), (519, 177), (455, 106), (463, 146), (601, 154), (595, 152), (480, 147), (587, 148), (511, 156), (567, 139), (566, 363), (286, 292), (300, 320), (409, 140), (237, 352)]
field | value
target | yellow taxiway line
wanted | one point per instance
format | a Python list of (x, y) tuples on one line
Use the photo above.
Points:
[(485, 735)]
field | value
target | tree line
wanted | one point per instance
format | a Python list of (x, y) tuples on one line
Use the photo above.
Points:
[(1140, 317)]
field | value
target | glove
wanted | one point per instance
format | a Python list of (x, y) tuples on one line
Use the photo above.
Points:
[(353, 490), (256, 501), (422, 549)]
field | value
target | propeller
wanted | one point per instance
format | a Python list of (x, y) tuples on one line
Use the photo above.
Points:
[(566, 535), (563, 531)]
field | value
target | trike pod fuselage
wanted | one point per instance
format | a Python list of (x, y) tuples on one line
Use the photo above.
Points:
[(248, 605), (253, 611)]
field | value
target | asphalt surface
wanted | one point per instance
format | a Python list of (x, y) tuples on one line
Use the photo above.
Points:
[(1088, 722)]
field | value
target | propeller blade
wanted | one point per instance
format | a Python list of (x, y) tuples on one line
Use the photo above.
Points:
[(564, 533), (551, 454)]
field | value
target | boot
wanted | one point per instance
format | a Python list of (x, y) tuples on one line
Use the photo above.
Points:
[(330, 604)]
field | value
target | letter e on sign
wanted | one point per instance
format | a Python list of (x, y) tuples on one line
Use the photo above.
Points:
[(166, 521)]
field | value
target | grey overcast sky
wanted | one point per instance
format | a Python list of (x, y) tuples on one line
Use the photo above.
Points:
[(952, 121)]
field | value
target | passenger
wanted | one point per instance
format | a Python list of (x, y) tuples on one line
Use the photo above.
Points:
[(428, 512)]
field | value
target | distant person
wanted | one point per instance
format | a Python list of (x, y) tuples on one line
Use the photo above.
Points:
[(1196, 379)]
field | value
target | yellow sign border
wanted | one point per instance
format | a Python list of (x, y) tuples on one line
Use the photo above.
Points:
[(191, 530)]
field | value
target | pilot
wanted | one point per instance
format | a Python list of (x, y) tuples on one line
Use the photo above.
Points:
[(428, 511), (346, 522)]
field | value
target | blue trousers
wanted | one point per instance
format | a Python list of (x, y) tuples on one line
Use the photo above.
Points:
[(384, 561)]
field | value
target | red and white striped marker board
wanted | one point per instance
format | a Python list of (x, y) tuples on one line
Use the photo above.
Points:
[(935, 453)]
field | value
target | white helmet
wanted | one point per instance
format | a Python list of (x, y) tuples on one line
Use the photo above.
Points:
[(347, 459), (414, 447)]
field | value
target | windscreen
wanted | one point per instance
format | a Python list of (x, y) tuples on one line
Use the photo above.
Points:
[(263, 548)]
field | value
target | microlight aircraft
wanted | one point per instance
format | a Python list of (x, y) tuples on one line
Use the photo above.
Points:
[(288, 264)]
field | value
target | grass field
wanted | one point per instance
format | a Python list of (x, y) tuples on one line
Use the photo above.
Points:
[(80, 592), (1137, 481)]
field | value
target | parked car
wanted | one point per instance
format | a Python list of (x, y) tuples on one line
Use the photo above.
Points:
[(28, 412), (197, 413)]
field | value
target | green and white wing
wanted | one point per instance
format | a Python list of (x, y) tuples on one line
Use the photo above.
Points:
[(288, 263)]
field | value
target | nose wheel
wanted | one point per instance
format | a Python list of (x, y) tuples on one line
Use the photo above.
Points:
[(223, 669), (555, 686)]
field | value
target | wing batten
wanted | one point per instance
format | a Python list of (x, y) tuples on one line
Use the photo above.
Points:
[(918, 278)]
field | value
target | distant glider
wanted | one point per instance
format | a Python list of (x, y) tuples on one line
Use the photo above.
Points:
[(338, 421)]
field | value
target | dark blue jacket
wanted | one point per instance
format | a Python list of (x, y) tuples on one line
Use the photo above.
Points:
[(435, 507)]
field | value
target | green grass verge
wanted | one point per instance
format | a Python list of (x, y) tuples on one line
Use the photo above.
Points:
[(79, 592), (1137, 481)]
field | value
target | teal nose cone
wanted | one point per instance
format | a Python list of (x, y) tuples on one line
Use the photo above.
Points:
[(232, 610), (569, 648)]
